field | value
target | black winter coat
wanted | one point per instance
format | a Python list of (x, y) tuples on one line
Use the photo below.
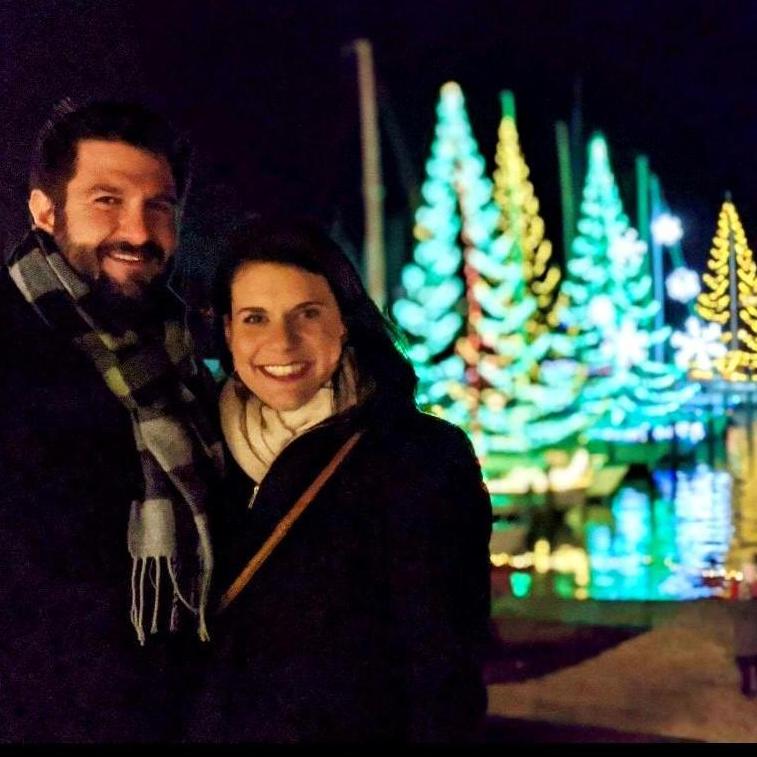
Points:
[(71, 668), (368, 621)]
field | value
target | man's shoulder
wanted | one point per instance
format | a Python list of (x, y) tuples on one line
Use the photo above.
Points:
[(5, 277), (18, 321), (8, 288)]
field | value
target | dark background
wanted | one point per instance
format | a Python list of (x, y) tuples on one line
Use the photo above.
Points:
[(268, 92)]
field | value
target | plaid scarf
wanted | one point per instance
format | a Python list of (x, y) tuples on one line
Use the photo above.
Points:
[(178, 448)]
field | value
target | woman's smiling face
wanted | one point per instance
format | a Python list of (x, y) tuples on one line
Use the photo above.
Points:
[(285, 332)]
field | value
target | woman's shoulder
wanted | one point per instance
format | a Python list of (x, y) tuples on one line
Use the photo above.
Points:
[(428, 423), (425, 433)]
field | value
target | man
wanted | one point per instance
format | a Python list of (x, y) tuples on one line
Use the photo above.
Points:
[(106, 453)]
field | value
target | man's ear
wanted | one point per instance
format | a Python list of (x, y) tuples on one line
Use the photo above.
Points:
[(43, 210)]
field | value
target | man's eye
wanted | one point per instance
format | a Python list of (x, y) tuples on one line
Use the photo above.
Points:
[(162, 206), (311, 313), (107, 200)]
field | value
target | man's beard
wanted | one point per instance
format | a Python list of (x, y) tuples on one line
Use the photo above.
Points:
[(141, 302), (130, 312)]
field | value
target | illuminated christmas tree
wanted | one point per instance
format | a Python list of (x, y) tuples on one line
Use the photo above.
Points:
[(521, 223), (520, 394), (457, 217), (467, 307), (514, 397), (730, 296), (611, 315)]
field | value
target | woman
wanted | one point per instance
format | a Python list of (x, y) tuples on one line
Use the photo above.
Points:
[(368, 620)]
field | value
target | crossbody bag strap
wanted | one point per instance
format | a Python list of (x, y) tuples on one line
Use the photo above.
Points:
[(286, 523)]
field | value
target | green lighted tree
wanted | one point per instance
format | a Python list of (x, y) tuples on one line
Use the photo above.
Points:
[(456, 215), (610, 315), (519, 393)]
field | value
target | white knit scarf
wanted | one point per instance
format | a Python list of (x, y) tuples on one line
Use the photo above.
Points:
[(256, 433)]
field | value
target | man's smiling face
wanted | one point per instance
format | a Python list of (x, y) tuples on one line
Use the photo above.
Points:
[(119, 220)]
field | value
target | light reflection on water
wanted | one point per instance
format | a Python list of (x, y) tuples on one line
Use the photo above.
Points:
[(662, 537)]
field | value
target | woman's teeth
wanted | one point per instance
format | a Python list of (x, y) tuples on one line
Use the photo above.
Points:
[(283, 370)]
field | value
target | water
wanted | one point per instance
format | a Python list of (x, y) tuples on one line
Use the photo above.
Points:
[(669, 534)]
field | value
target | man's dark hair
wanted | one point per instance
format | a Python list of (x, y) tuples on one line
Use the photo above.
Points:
[(54, 157), (304, 244)]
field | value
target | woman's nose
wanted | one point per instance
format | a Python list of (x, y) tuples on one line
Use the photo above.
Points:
[(284, 334)]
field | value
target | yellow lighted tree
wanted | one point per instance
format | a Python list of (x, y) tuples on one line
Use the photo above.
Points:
[(522, 226), (730, 296)]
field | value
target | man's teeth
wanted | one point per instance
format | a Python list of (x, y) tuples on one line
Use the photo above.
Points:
[(283, 370), (128, 257)]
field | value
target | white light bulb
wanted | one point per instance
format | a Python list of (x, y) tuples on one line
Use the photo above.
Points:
[(682, 285), (667, 229)]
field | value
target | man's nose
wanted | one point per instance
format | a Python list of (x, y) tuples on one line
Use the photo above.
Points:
[(133, 225)]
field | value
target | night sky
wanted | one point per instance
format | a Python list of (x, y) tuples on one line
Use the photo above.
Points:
[(268, 92)]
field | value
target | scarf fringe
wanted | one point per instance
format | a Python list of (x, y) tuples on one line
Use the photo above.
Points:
[(205, 553), (196, 603), (141, 567)]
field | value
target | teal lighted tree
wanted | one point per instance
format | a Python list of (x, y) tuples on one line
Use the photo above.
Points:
[(456, 215), (610, 316), (519, 393)]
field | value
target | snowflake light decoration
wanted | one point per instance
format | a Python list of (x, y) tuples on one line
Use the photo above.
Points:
[(626, 346), (667, 229), (698, 346), (601, 312), (683, 285), (627, 249)]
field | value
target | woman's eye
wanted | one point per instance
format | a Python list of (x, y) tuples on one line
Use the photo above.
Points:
[(311, 313), (253, 318)]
